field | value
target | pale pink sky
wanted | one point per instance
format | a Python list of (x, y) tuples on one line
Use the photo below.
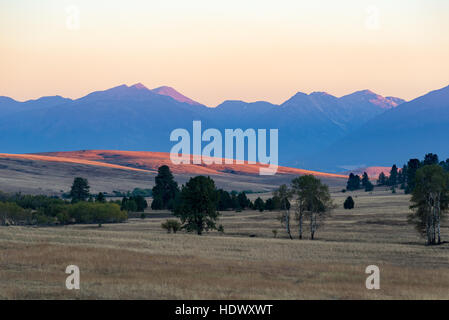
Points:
[(216, 50)]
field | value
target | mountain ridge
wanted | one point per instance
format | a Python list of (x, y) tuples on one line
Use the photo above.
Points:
[(136, 118)]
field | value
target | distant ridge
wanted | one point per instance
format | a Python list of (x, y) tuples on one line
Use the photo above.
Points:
[(318, 131), (150, 161)]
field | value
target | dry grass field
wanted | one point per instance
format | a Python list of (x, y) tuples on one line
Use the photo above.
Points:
[(138, 260)]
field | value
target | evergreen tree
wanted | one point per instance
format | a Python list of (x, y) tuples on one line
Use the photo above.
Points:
[(269, 204), (165, 189), (259, 204), (129, 205), (412, 166), (365, 180), (393, 179), (141, 203), (197, 206), (430, 159), (80, 190), (235, 201), (445, 165), (243, 200), (382, 180), (369, 186), (100, 198), (402, 176), (224, 200), (353, 182)]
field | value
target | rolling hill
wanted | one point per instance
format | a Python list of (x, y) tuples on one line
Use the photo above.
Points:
[(151, 161), (108, 171)]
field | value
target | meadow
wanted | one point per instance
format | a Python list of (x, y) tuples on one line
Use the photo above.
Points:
[(139, 260)]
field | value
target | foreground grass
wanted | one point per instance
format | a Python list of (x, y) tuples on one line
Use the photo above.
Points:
[(138, 260)]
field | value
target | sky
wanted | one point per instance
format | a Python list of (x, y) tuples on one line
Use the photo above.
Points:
[(213, 51)]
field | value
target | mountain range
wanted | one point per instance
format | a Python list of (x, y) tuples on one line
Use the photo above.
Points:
[(316, 131)]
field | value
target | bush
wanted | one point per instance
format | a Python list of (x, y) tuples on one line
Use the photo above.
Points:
[(90, 212), (349, 203), (171, 225), (44, 220)]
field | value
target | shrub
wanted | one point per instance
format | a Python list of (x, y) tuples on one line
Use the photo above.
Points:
[(171, 225), (349, 203), (90, 212)]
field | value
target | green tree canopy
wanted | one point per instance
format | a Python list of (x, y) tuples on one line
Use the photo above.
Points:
[(197, 205), (259, 204), (430, 201), (313, 201)]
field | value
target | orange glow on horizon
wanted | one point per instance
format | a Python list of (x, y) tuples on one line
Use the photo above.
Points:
[(212, 51)]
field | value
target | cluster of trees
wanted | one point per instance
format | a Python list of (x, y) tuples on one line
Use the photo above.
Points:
[(311, 202), (136, 192), (233, 200), (134, 204), (356, 183), (405, 177), (239, 201), (396, 177), (427, 181), (198, 202), (21, 209), (166, 194)]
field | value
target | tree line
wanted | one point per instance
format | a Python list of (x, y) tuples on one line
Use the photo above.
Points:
[(427, 181), (19, 209), (197, 203), (166, 193)]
